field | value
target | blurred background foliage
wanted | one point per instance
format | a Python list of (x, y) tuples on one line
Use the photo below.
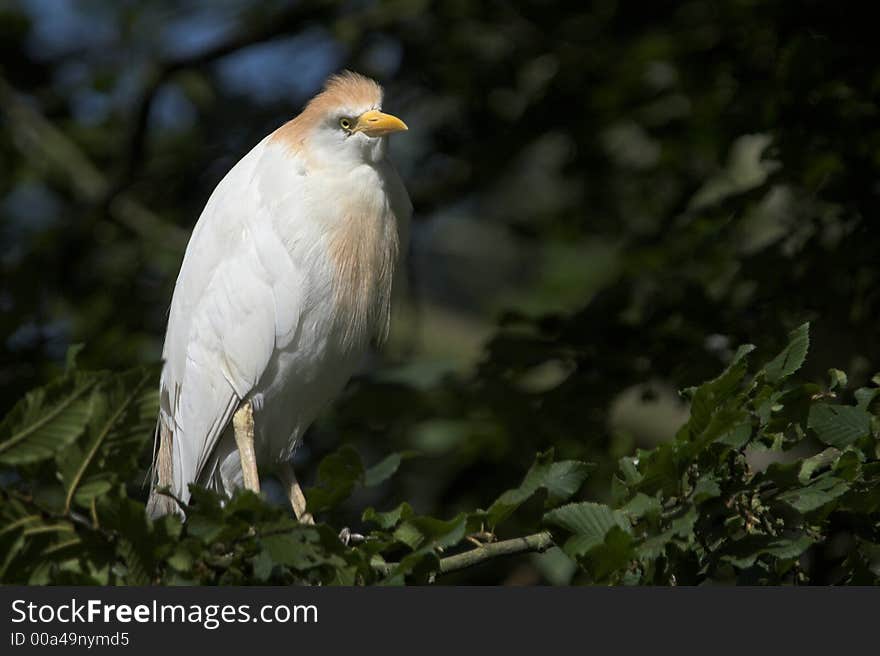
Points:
[(609, 198)]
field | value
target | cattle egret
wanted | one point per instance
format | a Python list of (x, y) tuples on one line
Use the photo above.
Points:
[(285, 283)]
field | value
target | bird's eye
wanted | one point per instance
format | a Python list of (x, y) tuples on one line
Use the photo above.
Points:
[(345, 123)]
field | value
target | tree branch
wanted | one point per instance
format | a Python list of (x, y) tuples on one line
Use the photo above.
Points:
[(278, 26), (48, 148), (536, 542)]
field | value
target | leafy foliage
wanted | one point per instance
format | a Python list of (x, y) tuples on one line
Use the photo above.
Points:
[(699, 512), (691, 511)]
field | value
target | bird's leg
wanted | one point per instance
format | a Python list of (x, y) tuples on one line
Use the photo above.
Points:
[(298, 502), (243, 425), (295, 494)]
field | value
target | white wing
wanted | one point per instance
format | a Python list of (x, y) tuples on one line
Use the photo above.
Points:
[(238, 294)]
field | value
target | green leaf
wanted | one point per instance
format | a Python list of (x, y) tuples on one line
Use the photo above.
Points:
[(420, 566), (565, 478), (390, 519), (588, 523), (630, 471), (838, 425), (738, 436), (613, 554), (641, 505), (660, 468), (745, 553), (849, 466), (338, 474), (120, 425), (837, 379), (142, 544), (680, 529), (864, 397), (710, 395), (792, 356), (46, 420), (823, 490), (819, 461), (385, 468), (561, 480), (70, 357), (181, 560), (298, 547), (409, 535), (726, 422), (789, 548), (93, 488), (707, 487), (431, 533), (555, 566)]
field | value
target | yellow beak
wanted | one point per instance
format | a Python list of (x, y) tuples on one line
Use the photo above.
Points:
[(376, 124)]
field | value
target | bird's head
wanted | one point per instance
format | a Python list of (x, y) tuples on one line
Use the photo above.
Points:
[(344, 125)]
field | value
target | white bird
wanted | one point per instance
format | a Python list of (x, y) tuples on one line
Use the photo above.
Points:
[(285, 282)]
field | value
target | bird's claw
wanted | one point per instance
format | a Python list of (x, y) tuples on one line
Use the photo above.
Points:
[(481, 537), (347, 537)]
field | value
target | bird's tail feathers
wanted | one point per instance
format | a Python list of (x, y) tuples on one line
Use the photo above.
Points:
[(162, 475)]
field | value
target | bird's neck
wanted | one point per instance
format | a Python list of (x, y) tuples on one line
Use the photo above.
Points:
[(363, 247)]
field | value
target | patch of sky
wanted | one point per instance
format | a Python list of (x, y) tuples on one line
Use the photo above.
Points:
[(172, 110), (30, 207), (190, 34), (55, 336), (61, 26), (286, 69), (383, 56)]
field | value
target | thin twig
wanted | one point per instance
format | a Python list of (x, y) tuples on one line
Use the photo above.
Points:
[(537, 542), (47, 147)]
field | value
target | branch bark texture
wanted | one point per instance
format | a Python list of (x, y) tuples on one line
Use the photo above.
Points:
[(536, 542)]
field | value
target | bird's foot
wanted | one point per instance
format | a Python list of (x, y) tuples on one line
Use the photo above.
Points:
[(347, 537), (481, 537)]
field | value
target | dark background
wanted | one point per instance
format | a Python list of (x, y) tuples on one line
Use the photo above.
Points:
[(492, 618), (609, 197)]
